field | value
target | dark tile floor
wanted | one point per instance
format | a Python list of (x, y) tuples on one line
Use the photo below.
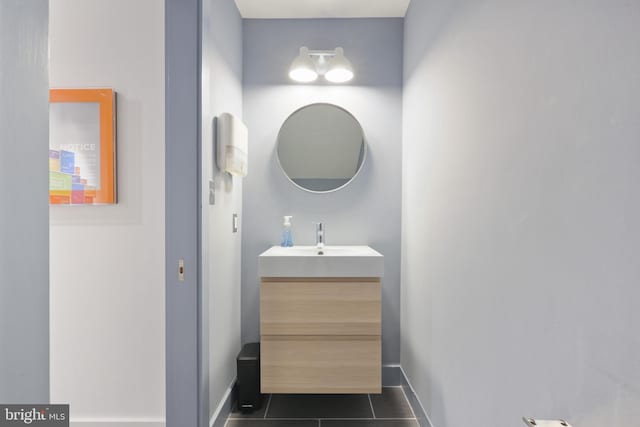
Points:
[(389, 409)]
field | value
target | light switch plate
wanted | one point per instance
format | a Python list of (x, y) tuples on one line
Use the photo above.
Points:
[(235, 223), (212, 193)]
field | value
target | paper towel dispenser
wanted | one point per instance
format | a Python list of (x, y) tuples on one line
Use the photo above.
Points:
[(232, 145)]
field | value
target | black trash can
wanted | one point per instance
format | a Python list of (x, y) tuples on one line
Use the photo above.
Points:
[(248, 364)]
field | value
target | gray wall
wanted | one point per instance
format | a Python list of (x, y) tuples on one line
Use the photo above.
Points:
[(365, 212), (24, 210), (521, 239), (221, 92), (186, 382)]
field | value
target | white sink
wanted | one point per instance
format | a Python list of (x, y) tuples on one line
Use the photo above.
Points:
[(336, 261)]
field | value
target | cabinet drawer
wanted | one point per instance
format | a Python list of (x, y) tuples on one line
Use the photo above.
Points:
[(320, 364), (320, 307)]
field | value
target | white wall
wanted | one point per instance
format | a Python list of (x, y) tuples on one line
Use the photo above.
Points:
[(367, 211), (521, 240), (24, 240), (221, 92), (107, 262)]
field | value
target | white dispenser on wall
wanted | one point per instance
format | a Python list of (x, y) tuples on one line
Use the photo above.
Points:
[(232, 145)]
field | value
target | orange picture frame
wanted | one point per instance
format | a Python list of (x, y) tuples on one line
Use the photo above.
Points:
[(90, 179)]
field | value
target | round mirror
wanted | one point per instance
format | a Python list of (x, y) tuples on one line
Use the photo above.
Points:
[(321, 147)]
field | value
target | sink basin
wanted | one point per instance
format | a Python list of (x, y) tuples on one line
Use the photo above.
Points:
[(336, 261)]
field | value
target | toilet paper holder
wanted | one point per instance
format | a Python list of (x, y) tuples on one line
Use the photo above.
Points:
[(532, 422)]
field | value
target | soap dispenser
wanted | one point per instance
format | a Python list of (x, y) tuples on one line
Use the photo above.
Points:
[(287, 240)]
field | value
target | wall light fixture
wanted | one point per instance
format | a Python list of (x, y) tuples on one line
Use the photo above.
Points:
[(332, 64)]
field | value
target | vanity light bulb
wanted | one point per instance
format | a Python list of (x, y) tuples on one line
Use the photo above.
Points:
[(339, 75), (303, 75)]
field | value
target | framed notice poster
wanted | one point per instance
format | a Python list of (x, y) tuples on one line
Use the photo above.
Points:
[(82, 147)]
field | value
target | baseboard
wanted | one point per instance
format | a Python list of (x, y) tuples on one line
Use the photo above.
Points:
[(225, 407), (117, 422), (416, 405)]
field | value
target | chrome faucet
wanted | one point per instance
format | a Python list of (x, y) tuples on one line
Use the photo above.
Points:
[(319, 238)]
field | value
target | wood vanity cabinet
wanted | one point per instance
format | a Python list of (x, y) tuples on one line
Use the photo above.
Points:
[(320, 335)]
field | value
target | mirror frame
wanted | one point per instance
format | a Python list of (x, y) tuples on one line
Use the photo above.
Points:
[(364, 155)]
